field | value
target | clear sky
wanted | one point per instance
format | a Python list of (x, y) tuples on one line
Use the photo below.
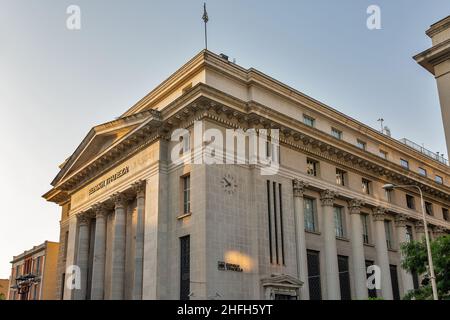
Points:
[(55, 84)]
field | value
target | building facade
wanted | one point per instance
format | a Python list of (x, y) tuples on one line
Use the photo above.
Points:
[(140, 225), (40, 261), (4, 288)]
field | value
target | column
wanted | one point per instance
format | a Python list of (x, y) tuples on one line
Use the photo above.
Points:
[(329, 233), (118, 248), (406, 277), (357, 243), (420, 230), (379, 215), (139, 187), (82, 254), (299, 216), (439, 231), (98, 266)]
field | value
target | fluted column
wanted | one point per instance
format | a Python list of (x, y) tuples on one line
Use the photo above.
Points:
[(139, 188), (98, 265), (329, 233), (299, 216), (118, 248), (82, 254), (407, 280), (357, 243), (379, 215)]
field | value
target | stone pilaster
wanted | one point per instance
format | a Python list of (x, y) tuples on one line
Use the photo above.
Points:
[(299, 215), (82, 254), (329, 233), (406, 277), (420, 230), (139, 188), (98, 266), (439, 231), (357, 243), (118, 247), (379, 216)]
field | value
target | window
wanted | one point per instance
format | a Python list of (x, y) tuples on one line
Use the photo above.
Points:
[(439, 180), (371, 292), (35, 291), (344, 278), (340, 177), (309, 121), (339, 221), (410, 202), (404, 163), (389, 193), (185, 268), (429, 208), (445, 214), (336, 133), (422, 172), (66, 244), (409, 234), (361, 144), (186, 194), (38, 266), (312, 167), (388, 231), (313, 260), (365, 228), (383, 154), (365, 186), (275, 220), (310, 214), (394, 282)]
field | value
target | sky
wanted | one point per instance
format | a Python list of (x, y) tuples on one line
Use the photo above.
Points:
[(56, 83)]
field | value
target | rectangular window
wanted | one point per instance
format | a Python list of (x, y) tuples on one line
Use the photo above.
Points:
[(409, 234), (439, 180), (383, 154), (389, 193), (365, 186), (339, 221), (388, 231), (410, 202), (429, 208), (340, 177), (344, 278), (187, 194), (445, 214), (66, 244), (280, 196), (372, 293), (313, 259), (312, 167), (38, 266), (35, 292), (365, 228), (404, 163), (422, 172), (336, 133), (310, 214), (185, 268), (309, 121), (269, 219), (361, 144), (63, 283), (394, 282), (415, 277)]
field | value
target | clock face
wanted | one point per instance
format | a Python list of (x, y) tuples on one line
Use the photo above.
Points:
[(229, 184)]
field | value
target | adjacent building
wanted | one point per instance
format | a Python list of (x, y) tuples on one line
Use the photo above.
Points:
[(140, 225), (4, 288), (40, 263)]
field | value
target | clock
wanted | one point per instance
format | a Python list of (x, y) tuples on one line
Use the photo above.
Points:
[(229, 184)]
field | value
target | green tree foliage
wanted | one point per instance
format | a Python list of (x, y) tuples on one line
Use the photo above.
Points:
[(416, 260)]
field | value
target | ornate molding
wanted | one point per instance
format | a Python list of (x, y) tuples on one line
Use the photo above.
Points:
[(439, 231), (419, 226), (327, 197), (354, 206), (400, 221), (100, 210), (139, 188), (83, 218), (299, 187), (119, 200), (379, 214)]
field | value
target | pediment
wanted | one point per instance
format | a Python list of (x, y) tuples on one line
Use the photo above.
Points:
[(282, 280)]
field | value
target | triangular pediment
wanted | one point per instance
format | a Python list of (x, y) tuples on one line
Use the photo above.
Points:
[(282, 280)]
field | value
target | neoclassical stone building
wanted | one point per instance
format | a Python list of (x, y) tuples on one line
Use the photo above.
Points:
[(141, 226)]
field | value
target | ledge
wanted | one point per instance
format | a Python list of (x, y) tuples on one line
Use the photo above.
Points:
[(184, 215)]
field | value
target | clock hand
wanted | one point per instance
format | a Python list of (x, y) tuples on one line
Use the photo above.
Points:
[(228, 183)]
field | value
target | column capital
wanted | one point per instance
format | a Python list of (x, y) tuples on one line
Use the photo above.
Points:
[(100, 210), (439, 231), (83, 218), (354, 206), (419, 226), (299, 187), (379, 214), (327, 197), (400, 220), (139, 188), (119, 200)]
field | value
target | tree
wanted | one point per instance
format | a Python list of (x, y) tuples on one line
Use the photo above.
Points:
[(416, 260)]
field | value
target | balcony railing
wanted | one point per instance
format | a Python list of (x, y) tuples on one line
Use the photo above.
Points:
[(433, 155)]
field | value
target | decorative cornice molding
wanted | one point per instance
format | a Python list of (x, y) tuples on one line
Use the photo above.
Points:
[(299, 187), (327, 197)]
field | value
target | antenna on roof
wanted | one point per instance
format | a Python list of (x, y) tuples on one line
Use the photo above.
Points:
[(205, 19), (381, 120)]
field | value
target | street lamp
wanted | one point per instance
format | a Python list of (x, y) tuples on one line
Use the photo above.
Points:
[(427, 238)]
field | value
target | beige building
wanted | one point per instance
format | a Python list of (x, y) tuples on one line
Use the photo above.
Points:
[(40, 262), (4, 288), (437, 61), (140, 225)]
